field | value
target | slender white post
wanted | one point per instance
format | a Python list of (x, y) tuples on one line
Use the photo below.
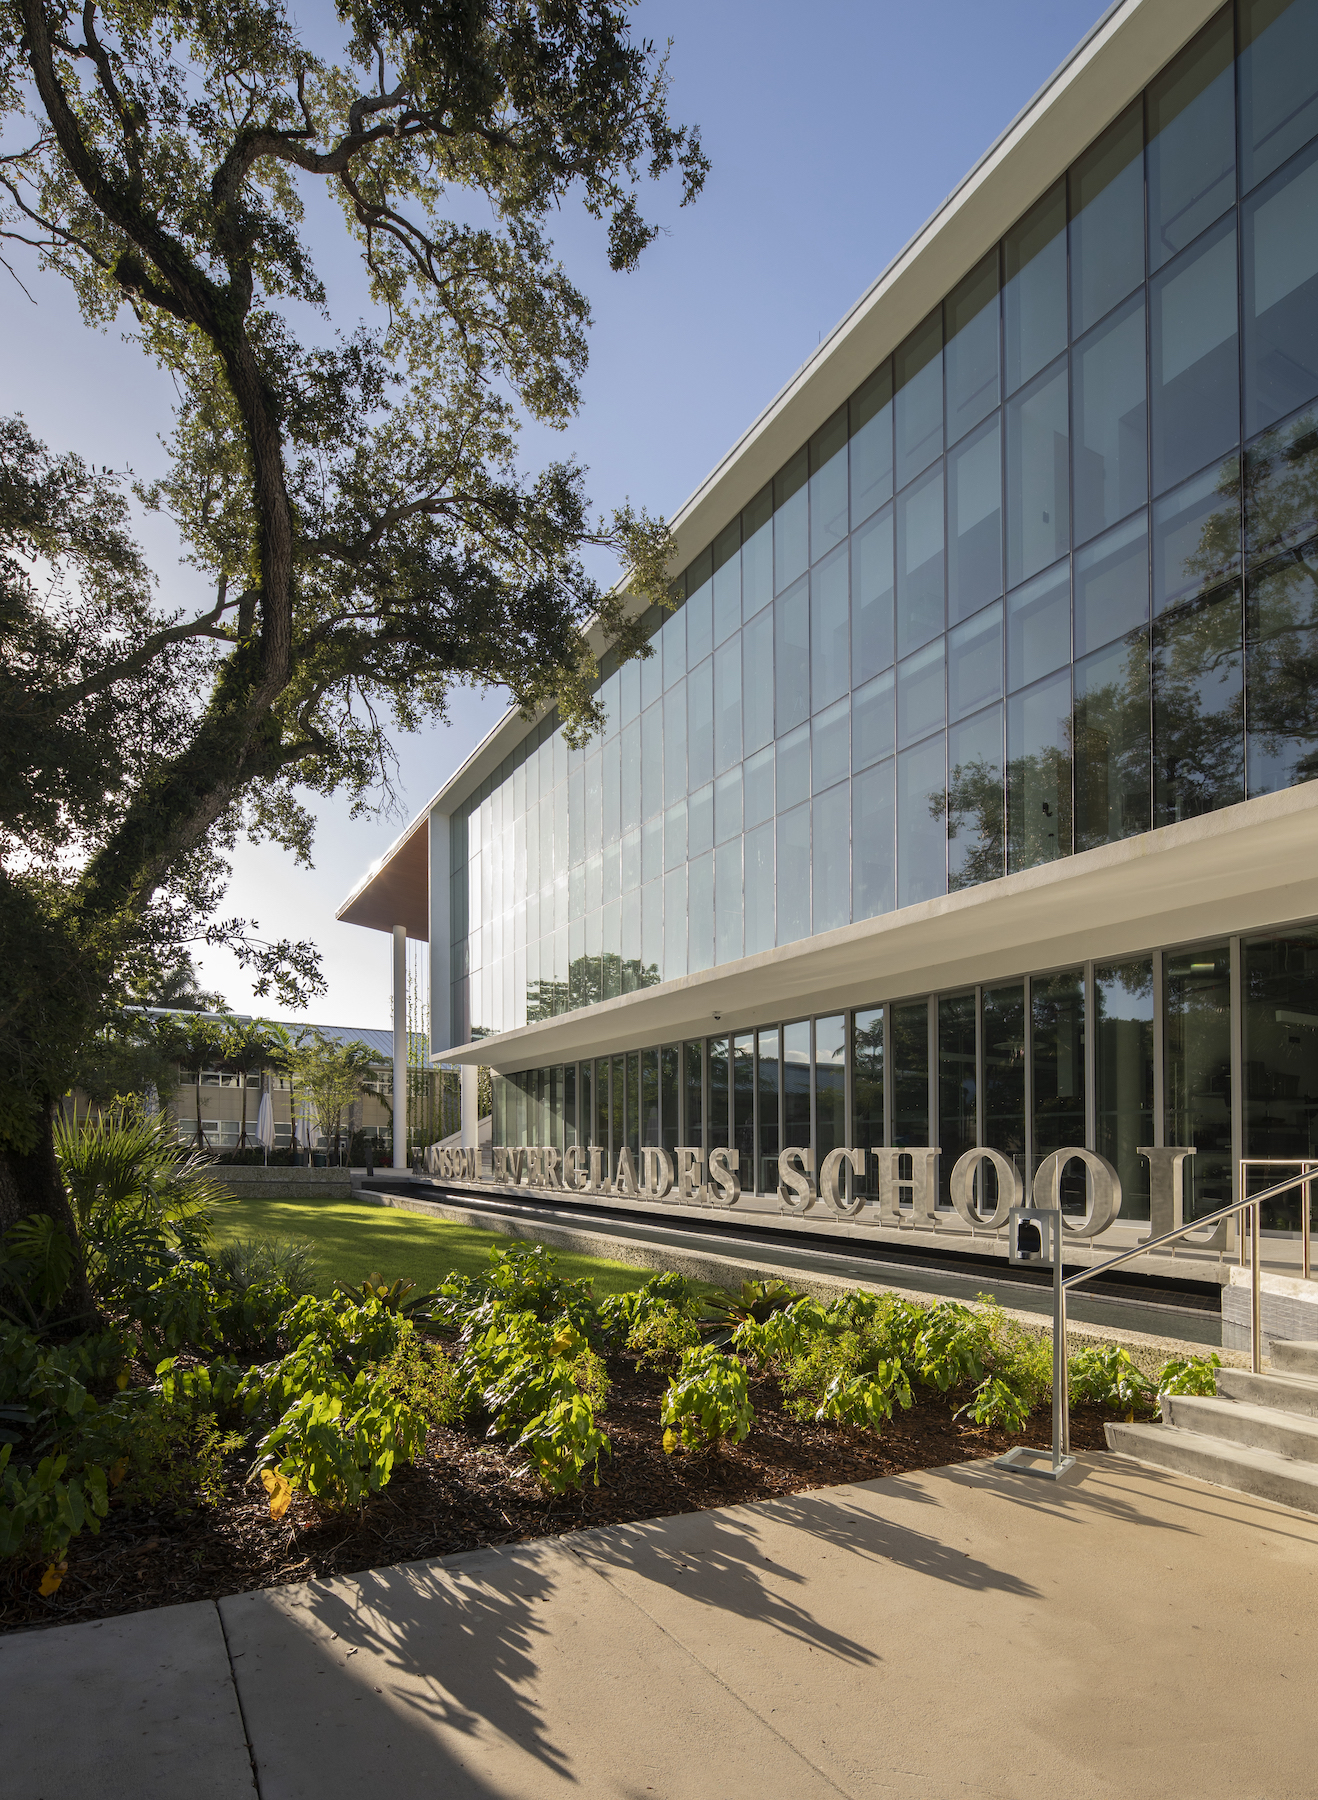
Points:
[(400, 1046), (470, 1077)]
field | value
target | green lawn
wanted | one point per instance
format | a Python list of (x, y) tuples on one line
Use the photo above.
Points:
[(353, 1241)]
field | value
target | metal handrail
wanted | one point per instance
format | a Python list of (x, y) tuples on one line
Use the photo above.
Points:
[(1062, 1458)]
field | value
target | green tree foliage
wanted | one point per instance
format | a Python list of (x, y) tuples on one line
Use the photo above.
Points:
[(333, 1074), (351, 495)]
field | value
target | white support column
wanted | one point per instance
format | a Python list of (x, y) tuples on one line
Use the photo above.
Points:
[(400, 1046), (470, 1076)]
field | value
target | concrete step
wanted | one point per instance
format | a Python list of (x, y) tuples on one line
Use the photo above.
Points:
[(1288, 1393), (1289, 1356), (1238, 1422), (1261, 1472)]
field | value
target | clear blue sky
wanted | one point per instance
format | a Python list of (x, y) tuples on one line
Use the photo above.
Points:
[(834, 130)]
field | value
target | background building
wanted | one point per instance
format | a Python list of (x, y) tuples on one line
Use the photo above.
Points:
[(967, 796)]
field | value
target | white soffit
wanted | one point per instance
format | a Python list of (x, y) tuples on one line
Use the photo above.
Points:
[(1247, 868)]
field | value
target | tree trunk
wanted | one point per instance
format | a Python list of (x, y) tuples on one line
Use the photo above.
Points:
[(242, 1135), (201, 1136), (33, 1184)]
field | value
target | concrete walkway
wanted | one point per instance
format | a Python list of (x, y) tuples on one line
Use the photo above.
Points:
[(959, 1632)]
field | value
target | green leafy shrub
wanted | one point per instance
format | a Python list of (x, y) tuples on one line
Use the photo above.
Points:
[(563, 1442), (995, 1402), (252, 1261), (754, 1300), (866, 1399), (1189, 1375), (619, 1314), (1105, 1375), (423, 1376), (661, 1335), (785, 1334), (180, 1307), (707, 1404), (39, 1508), (341, 1439)]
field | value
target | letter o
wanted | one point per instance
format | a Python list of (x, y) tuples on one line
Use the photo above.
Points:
[(1105, 1189), (1011, 1188)]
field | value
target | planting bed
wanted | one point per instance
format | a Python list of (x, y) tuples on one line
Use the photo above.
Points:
[(465, 1492)]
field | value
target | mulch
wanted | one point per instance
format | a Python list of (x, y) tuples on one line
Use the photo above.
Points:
[(466, 1493)]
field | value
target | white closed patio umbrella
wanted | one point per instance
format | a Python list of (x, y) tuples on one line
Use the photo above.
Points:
[(265, 1124)]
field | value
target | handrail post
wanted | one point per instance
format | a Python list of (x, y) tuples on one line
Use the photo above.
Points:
[(1059, 1351), (1306, 1224), (1256, 1313)]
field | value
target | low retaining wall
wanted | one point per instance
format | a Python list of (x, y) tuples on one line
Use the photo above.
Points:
[(252, 1182), (1290, 1308)]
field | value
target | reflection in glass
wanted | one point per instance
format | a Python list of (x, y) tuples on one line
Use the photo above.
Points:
[(791, 657), (649, 1096), (1107, 220), (796, 1083), (727, 806), (921, 832), (759, 889), (1003, 1027), (1034, 299), (910, 1073), (693, 1098), (920, 694), (874, 720), (675, 923), (970, 360), (872, 597), (757, 553), (918, 399), (1281, 1058), (791, 521), (873, 826), (727, 583), (743, 1106), (975, 818), (728, 901), (871, 444), (794, 768), (828, 486), (1198, 707), (867, 1089), (670, 1096), (830, 739), (1193, 372), (957, 1097), (727, 706), (920, 608), (672, 646), (830, 608), (831, 838), (793, 832), (1038, 498), (1111, 584), (1039, 627), (759, 787), (1111, 470), (674, 750), (700, 820), (757, 681), (1278, 75), (974, 662), (1123, 1067), (1057, 1003), (1279, 254), (1281, 611), (1196, 535), (1192, 141), (1198, 1071), (1039, 773), (830, 1086), (699, 609), (717, 1064), (1111, 743), (700, 723), (767, 1095), (974, 522)]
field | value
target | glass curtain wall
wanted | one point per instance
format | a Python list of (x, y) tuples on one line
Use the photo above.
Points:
[(1045, 580)]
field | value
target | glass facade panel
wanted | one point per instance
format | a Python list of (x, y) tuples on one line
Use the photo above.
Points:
[(1198, 707), (872, 597), (1034, 298), (1280, 978), (831, 832), (871, 444), (1192, 141), (1111, 585), (1278, 80), (921, 703), (1123, 1071), (1107, 221), (793, 883), (720, 1119), (1281, 610), (918, 399), (1039, 627), (975, 819), (1192, 358), (796, 1083), (958, 1103), (728, 892), (830, 1086), (1198, 1071), (873, 839), (791, 521), (791, 646), (971, 357), (1002, 1025), (828, 486), (910, 1073), (920, 562), (1111, 743), (759, 889), (743, 1107), (974, 522), (1111, 472), (867, 1047), (1279, 258), (1057, 1004), (727, 582), (830, 633), (693, 1098), (1039, 773), (768, 1075), (1038, 500), (974, 663), (921, 830)]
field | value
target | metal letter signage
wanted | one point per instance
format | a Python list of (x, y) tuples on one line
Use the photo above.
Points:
[(905, 1195)]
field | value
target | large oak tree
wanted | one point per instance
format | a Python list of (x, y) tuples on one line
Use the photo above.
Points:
[(350, 492)]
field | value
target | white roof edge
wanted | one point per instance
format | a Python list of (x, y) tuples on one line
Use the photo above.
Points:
[(1171, 22)]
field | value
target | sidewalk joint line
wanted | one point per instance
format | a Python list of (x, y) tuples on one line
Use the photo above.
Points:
[(237, 1694)]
